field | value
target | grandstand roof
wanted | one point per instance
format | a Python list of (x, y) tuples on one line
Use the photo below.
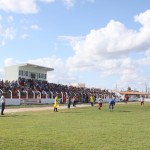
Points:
[(133, 93), (36, 66)]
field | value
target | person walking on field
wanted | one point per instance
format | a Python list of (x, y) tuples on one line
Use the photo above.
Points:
[(92, 100), (3, 101), (126, 98), (100, 103), (56, 105), (74, 101), (69, 101), (142, 100), (111, 104)]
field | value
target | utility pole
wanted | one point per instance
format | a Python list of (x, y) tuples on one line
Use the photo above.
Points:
[(116, 87), (146, 87)]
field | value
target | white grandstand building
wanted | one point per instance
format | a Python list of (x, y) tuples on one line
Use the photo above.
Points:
[(27, 71)]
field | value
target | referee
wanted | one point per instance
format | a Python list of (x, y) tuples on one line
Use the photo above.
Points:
[(3, 104)]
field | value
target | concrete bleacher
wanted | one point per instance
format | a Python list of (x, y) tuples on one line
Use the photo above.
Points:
[(27, 91)]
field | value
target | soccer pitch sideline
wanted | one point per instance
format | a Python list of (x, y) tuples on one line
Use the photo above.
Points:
[(87, 128)]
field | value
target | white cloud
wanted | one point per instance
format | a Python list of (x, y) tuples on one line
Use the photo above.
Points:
[(92, 1), (34, 26), (10, 33), (1, 74), (143, 18), (107, 42), (107, 50), (19, 6), (69, 3), (48, 1), (2, 43), (70, 39), (31, 6), (24, 36), (9, 62), (1, 18), (10, 19), (6, 34)]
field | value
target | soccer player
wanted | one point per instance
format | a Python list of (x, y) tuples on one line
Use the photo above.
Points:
[(92, 100), (100, 103), (3, 101), (69, 101), (56, 105), (142, 100), (111, 104)]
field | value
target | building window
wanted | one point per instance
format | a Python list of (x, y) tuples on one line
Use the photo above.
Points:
[(33, 75), (42, 76), (23, 73)]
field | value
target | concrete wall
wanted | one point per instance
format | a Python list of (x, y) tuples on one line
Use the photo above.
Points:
[(11, 73), (12, 102), (47, 101), (15, 102)]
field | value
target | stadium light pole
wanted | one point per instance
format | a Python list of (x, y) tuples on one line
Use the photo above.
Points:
[(116, 87)]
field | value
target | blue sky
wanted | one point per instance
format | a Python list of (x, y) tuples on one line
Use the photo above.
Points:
[(102, 43)]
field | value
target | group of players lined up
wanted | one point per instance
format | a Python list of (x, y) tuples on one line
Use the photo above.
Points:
[(92, 101), (51, 89)]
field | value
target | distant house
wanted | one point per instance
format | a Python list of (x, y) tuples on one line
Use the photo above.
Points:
[(27, 71), (134, 95)]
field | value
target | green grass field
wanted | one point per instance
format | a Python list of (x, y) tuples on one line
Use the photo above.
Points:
[(126, 128)]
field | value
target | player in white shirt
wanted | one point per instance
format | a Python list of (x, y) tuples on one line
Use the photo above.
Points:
[(3, 101), (142, 100)]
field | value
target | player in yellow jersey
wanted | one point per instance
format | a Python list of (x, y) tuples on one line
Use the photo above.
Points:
[(56, 104)]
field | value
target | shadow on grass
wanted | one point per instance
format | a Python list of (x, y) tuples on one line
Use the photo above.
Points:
[(71, 112), (125, 111), (12, 116)]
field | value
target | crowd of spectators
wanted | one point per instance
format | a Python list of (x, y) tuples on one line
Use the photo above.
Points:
[(44, 87)]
